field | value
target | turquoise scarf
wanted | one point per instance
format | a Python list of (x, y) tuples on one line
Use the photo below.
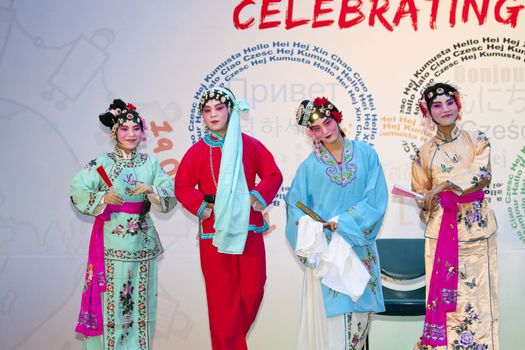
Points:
[(232, 202)]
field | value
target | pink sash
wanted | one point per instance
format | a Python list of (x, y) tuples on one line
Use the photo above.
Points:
[(90, 320), (443, 289)]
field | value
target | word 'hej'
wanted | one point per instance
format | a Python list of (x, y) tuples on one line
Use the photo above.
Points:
[(349, 13)]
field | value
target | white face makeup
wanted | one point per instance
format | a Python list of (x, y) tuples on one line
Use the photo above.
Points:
[(129, 136), (325, 130), (215, 115), (444, 110)]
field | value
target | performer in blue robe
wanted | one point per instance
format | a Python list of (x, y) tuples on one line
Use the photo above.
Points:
[(342, 182)]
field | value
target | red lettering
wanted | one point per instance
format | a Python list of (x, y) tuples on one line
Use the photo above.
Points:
[(406, 7), (453, 6), (378, 12), (346, 8), (318, 11), (236, 13), (481, 15), (433, 13), (174, 163), (351, 13), (266, 12), (163, 144), (155, 128), (513, 12), (290, 22)]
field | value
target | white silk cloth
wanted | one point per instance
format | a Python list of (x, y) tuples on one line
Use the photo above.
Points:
[(334, 262), (336, 265)]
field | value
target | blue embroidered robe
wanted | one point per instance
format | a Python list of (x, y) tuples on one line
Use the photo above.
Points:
[(356, 191)]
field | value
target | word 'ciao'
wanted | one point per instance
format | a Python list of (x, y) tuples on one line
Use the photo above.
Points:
[(348, 13)]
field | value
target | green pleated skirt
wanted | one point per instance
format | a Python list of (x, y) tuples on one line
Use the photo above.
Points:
[(130, 305)]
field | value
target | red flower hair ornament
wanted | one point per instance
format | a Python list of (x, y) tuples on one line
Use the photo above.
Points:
[(320, 101), (338, 116), (423, 107)]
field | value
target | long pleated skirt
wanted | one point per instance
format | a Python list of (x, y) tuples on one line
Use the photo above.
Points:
[(130, 305), (475, 324)]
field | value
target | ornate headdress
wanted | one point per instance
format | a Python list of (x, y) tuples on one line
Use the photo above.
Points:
[(310, 111), (433, 91), (217, 94), (118, 113)]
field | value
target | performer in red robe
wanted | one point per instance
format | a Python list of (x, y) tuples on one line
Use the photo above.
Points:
[(217, 179)]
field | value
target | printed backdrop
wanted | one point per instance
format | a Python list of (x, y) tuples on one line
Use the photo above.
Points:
[(62, 62)]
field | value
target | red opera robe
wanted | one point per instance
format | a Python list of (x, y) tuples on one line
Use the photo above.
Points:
[(234, 283)]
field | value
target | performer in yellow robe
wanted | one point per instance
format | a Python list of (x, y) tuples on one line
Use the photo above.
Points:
[(456, 163)]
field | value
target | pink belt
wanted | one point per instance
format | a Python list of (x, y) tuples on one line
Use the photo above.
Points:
[(443, 289)]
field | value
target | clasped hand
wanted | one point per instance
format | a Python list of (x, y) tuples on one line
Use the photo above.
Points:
[(115, 199), (431, 199)]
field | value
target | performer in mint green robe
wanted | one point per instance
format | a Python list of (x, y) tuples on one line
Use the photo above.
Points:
[(131, 243)]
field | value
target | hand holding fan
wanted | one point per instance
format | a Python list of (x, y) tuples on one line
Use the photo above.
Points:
[(400, 190)]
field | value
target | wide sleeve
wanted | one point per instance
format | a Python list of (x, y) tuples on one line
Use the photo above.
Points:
[(478, 174), (269, 174), (298, 192), (87, 189), (360, 224), (421, 179), (186, 179), (164, 198)]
